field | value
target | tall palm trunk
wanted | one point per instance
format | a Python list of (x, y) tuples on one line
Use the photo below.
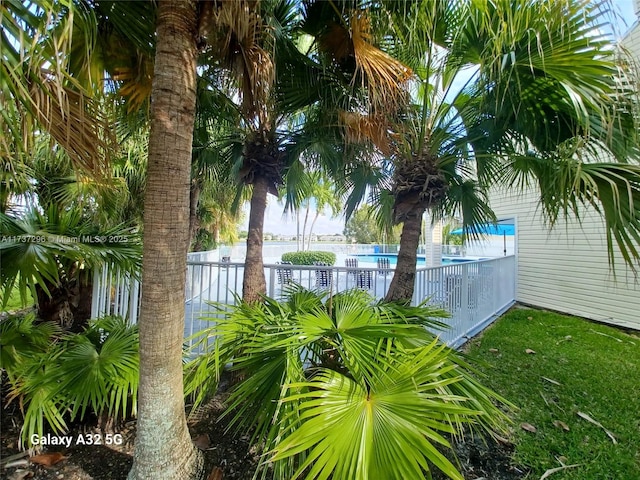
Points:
[(254, 284), (404, 277), (313, 223), (194, 221), (163, 448), (304, 225), (419, 185)]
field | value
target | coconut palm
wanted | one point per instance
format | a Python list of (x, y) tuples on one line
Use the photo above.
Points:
[(508, 93)]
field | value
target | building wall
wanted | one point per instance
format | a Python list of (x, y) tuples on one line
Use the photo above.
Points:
[(631, 40), (567, 269)]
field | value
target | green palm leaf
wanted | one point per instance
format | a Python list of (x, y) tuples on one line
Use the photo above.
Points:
[(39, 248), (343, 387), (385, 430), (99, 368)]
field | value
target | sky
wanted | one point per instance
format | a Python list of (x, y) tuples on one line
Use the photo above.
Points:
[(276, 223), (625, 8)]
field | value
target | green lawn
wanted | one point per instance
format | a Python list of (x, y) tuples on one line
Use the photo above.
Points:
[(15, 303), (589, 368)]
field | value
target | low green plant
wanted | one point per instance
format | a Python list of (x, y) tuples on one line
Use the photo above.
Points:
[(59, 377), (309, 258), (22, 339), (16, 302), (344, 387)]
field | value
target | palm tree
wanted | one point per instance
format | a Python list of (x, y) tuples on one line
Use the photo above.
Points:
[(282, 84), (163, 447), (508, 93), (343, 387), (54, 255), (38, 87), (214, 195), (56, 241), (321, 192), (240, 44)]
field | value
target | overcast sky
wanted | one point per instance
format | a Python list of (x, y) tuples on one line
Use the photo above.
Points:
[(276, 223)]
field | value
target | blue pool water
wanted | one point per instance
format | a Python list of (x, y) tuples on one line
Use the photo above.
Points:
[(393, 259)]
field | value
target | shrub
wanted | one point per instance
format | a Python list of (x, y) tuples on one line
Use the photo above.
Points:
[(345, 387), (21, 339), (96, 371), (309, 258)]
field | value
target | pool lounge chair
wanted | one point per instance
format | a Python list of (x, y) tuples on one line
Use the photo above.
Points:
[(364, 280), (323, 276), (383, 265), (285, 275), (351, 263)]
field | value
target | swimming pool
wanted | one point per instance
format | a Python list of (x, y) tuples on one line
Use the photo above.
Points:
[(393, 259)]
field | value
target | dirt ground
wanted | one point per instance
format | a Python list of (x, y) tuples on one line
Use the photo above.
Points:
[(228, 457)]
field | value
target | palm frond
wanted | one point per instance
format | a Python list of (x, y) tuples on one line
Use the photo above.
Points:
[(343, 387), (384, 430), (42, 247), (569, 186)]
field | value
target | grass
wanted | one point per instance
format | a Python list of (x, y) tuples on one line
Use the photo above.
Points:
[(16, 303), (597, 370)]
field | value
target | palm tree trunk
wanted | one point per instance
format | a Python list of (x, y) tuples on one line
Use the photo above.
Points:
[(254, 284), (194, 221), (313, 223), (304, 225), (163, 447), (404, 277), (54, 306)]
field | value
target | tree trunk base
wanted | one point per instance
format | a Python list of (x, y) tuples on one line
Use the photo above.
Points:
[(193, 468)]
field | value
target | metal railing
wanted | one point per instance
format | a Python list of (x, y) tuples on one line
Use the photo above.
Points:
[(473, 292)]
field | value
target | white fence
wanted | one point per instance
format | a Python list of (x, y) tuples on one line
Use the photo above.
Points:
[(473, 292)]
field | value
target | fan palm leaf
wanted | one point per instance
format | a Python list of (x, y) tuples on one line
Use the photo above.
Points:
[(39, 245), (499, 80), (384, 430), (37, 87), (337, 387)]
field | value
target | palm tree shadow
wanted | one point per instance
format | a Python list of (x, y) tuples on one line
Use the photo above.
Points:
[(101, 462)]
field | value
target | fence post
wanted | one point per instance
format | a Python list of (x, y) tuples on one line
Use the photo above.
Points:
[(96, 293), (272, 282), (464, 294), (134, 301)]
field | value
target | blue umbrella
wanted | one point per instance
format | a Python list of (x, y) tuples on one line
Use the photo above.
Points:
[(490, 229)]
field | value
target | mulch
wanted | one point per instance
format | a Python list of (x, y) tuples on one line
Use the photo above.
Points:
[(231, 457)]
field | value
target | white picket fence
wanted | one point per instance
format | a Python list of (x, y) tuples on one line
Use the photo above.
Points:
[(473, 292)]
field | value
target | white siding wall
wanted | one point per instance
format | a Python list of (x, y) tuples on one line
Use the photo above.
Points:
[(631, 39), (567, 269)]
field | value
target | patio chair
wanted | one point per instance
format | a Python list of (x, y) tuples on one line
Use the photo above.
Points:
[(364, 280), (285, 275), (351, 263), (384, 265), (323, 276)]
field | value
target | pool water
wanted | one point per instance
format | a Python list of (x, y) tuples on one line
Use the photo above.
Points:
[(393, 259)]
